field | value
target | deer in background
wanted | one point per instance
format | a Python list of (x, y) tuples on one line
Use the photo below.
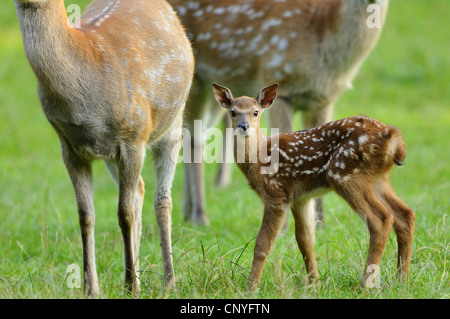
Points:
[(351, 156), (111, 88), (312, 48)]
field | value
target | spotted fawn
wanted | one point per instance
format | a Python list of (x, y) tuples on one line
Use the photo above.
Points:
[(351, 156)]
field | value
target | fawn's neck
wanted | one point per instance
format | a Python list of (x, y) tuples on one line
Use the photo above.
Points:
[(247, 149)]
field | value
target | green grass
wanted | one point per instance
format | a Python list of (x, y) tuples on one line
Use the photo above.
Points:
[(404, 82)]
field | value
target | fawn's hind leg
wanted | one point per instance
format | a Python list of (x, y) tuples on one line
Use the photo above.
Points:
[(364, 201), (404, 224), (303, 211)]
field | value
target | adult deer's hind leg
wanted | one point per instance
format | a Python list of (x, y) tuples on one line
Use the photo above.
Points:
[(223, 177), (194, 120), (312, 119)]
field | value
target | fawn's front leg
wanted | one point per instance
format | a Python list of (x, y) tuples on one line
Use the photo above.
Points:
[(80, 173), (273, 220)]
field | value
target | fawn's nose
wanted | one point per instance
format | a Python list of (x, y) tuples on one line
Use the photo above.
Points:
[(243, 125)]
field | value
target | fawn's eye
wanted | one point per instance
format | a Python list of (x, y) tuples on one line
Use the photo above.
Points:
[(256, 113), (233, 113)]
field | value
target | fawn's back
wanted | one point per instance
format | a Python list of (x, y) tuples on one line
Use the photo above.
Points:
[(335, 152)]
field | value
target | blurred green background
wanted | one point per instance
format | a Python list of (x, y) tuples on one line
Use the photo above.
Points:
[(404, 82)]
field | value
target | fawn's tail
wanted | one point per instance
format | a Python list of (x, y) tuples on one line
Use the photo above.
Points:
[(397, 147)]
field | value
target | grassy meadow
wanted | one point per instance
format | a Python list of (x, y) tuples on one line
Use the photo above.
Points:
[(404, 82)]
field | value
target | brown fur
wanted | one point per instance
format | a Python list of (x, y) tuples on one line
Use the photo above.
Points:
[(111, 88)]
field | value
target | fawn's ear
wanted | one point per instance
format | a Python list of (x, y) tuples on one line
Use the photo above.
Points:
[(267, 96), (223, 95)]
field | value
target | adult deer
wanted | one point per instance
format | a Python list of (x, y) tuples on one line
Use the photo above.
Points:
[(312, 48), (109, 88), (351, 156)]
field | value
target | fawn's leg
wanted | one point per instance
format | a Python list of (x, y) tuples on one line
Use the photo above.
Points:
[(312, 119), (273, 219), (404, 224), (129, 171), (303, 212), (364, 201), (165, 154), (80, 173)]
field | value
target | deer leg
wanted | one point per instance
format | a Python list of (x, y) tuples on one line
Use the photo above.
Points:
[(194, 206), (129, 170), (187, 197), (194, 193), (280, 116), (312, 119), (224, 174), (404, 224), (165, 159), (273, 219), (303, 212), (195, 116), (364, 201), (138, 203), (80, 174)]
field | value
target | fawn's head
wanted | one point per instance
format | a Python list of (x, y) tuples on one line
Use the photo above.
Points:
[(245, 111)]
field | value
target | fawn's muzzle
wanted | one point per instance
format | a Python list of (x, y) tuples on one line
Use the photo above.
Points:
[(243, 125)]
